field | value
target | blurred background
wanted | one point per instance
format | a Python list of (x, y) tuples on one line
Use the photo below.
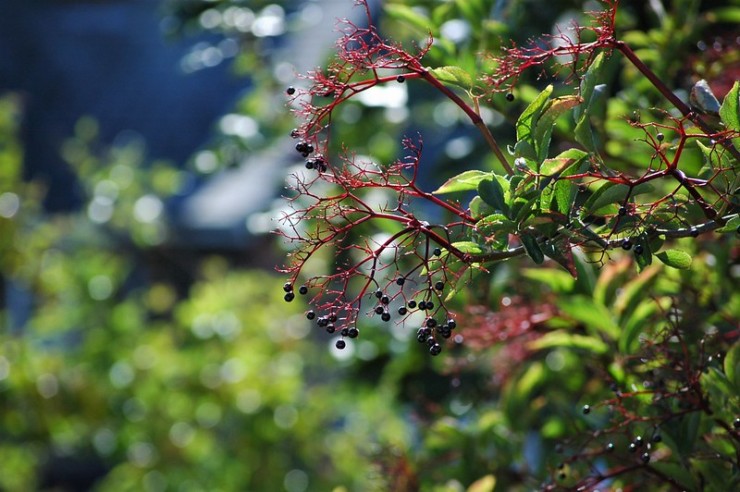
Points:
[(144, 342)]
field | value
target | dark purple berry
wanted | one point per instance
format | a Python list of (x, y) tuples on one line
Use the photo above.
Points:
[(645, 457), (333, 318), (431, 341), (353, 332), (660, 137), (736, 423), (288, 287), (294, 133), (452, 324), (657, 438), (378, 293), (610, 447), (626, 245), (289, 297), (430, 306), (638, 249), (345, 332), (309, 164), (437, 252), (632, 447), (330, 328), (431, 322), (509, 97), (400, 281), (290, 90), (310, 315), (638, 441), (385, 316), (402, 311), (379, 310), (385, 300), (439, 285), (341, 344), (412, 304), (322, 322), (401, 79), (435, 349), (622, 211), (303, 290), (422, 305), (586, 409)]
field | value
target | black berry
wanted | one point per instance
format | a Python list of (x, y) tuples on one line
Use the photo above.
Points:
[(378, 293), (435, 349), (289, 297), (353, 332), (660, 137), (638, 441), (452, 324), (437, 252), (422, 305), (401, 79), (736, 423), (288, 287), (402, 310), (333, 318), (341, 344), (439, 285), (509, 97), (303, 290), (638, 249), (645, 457), (294, 133), (657, 438), (290, 90), (610, 447), (412, 304), (379, 310), (310, 164), (330, 328), (431, 322), (430, 306), (310, 315), (385, 300), (345, 332), (586, 409), (385, 316), (626, 245), (322, 322), (622, 211), (400, 281)]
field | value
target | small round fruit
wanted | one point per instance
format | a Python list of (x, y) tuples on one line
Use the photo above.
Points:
[(586, 409), (435, 349), (303, 290), (402, 311), (353, 332), (439, 285), (290, 90), (385, 317), (289, 297), (400, 79), (509, 97), (626, 245), (341, 344)]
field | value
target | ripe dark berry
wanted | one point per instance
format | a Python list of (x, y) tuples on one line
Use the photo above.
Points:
[(622, 211), (400, 281), (610, 447), (303, 290), (309, 148), (402, 311), (626, 245), (385, 300), (378, 293), (288, 287), (445, 332), (435, 349), (645, 457), (290, 90), (333, 318), (289, 297), (353, 332), (429, 306), (509, 97), (431, 341), (345, 332), (379, 310), (401, 79), (632, 447), (660, 137), (437, 252), (301, 147), (330, 328), (736, 423), (309, 164), (657, 438), (439, 285), (586, 409), (310, 315), (412, 304), (638, 441), (431, 322), (294, 133), (452, 324), (638, 249), (422, 305), (385, 316), (322, 322), (341, 344)]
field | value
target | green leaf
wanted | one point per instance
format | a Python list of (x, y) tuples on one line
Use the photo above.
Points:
[(563, 191), (453, 75), (732, 366), (527, 121), (731, 225), (465, 181), (492, 192), (675, 258), (559, 281), (533, 249), (479, 208), (590, 93), (729, 112), (544, 125), (408, 15), (564, 339), (596, 317), (613, 193), (469, 247)]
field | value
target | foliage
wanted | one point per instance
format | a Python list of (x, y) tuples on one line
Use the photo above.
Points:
[(583, 298)]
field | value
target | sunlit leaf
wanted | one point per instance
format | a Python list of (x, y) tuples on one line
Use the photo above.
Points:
[(675, 258), (465, 181)]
